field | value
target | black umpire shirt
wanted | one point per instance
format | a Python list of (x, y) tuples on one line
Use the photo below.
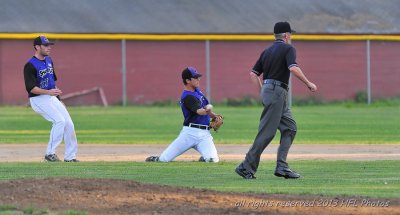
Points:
[(275, 61)]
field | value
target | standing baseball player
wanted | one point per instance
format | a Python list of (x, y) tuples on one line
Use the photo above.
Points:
[(40, 83), (275, 64), (196, 130)]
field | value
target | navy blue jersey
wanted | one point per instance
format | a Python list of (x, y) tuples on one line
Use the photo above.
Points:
[(190, 103)]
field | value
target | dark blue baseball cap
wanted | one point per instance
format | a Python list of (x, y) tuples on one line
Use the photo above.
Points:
[(283, 27), (190, 72), (42, 40)]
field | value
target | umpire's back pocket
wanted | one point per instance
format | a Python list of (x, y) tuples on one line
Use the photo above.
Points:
[(269, 86)]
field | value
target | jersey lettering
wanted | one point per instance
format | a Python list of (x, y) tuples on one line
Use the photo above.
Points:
[(48, 70)]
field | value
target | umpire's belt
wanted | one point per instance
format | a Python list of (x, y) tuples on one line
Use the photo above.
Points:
[(204, 127), (275, 82)]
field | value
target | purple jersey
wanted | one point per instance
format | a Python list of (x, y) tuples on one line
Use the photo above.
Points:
[(189, 115), (45, 75)]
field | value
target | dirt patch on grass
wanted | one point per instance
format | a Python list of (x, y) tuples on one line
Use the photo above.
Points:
[(109, 196)]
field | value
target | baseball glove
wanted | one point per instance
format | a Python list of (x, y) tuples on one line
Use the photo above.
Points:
[(217, 122)]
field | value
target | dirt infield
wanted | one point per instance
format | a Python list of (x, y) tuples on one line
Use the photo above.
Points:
[(104, 196), (138, 152), (107, 196)]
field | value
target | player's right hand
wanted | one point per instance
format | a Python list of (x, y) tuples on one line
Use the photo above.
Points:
[(312, 87), (55, 92)]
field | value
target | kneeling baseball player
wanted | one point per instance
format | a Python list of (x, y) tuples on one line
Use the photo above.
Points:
[(196, 126)]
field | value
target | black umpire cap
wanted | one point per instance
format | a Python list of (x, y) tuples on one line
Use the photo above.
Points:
[(283, 27), (41, 40)]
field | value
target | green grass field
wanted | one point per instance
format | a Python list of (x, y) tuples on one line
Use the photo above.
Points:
[(316, 124), (328, 178)]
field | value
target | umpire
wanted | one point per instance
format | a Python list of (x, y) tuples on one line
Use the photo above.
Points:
[(275, 64)]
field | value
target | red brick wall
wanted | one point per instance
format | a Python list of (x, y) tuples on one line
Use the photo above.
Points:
[(338, 68), (385, 69), (154, 67)]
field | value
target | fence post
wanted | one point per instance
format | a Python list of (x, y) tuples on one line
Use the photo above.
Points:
[(290, 92), (369, 71), (123, 71), (208, 72)]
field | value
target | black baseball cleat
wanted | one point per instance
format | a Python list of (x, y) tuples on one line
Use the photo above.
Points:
[(152, 159), (211, 160), (72, 160), (286, 173), (244, 173), (51, 158)]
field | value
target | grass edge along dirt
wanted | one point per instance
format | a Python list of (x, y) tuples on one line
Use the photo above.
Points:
[(14, 210)]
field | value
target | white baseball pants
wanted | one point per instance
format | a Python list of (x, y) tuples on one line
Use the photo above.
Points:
[(54, 111), (198, 139)]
